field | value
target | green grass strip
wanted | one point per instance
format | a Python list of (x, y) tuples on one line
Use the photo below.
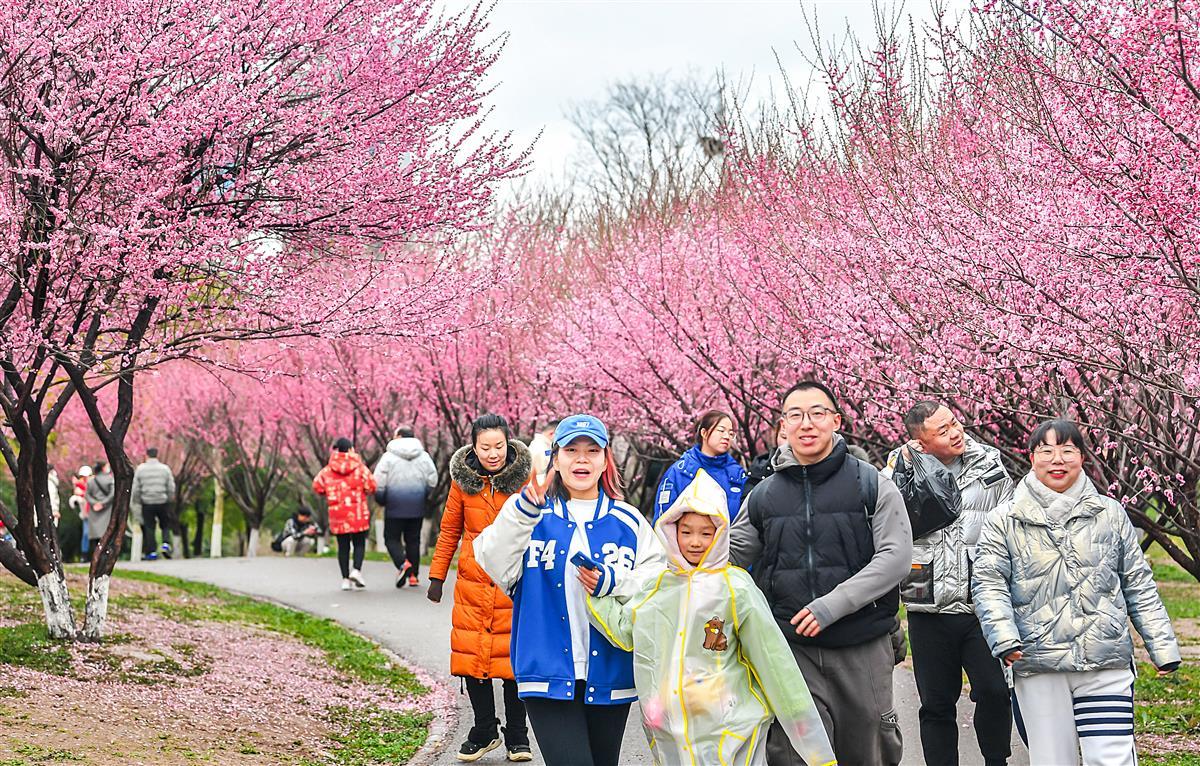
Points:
[(346, 651)]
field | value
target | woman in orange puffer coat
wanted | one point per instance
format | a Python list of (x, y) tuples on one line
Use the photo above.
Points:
[(484, 474)]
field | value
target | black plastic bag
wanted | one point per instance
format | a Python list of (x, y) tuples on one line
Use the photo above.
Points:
[(930, 492)]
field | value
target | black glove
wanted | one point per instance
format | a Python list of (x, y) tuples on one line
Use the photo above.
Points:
[(435, 590)]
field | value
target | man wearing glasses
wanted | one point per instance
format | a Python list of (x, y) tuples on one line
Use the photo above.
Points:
[(942, 627), (829, 540)]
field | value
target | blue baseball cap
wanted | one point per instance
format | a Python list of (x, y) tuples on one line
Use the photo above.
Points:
[(575, 426)]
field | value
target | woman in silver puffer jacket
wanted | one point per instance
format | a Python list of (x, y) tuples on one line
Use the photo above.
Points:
[(1058, 577)]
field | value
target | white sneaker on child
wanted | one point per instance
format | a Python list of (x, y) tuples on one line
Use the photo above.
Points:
[(346, 584), (357, 578)]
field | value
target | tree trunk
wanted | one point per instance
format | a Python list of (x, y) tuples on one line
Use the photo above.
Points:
[(96, 609), (252, 545), (218, 509), (380, 545), (60, 621), (135, 542), (14, 561)]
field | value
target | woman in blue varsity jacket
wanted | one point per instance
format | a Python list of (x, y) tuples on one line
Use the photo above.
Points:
[(577, 687)]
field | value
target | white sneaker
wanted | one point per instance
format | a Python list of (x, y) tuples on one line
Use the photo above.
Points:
[(346, 584), (357, 578)]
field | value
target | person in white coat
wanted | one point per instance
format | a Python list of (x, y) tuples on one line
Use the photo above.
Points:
[(404, 477)]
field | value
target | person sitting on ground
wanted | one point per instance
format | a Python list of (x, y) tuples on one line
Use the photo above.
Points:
[(299, 535), (712, 668)]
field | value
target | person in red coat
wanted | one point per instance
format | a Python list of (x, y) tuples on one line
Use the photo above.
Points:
[(346, 483)]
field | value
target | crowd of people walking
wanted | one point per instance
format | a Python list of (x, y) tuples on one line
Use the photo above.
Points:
[(756, 617)]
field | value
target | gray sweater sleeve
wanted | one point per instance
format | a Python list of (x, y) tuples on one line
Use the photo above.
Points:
[(892, 534), (745, 545)]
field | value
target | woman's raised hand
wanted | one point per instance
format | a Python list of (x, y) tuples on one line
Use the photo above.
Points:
[(535, 491)]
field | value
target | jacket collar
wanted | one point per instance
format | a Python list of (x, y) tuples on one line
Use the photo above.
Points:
[(817, 472), (1026, 507), (464, 469)]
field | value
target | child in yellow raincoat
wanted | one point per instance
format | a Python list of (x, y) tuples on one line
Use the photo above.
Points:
[(712, 669)]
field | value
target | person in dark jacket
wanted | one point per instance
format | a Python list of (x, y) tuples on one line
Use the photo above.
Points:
[(760, 467), (830, 541), (404, 477), (299, 534), (711, 452), (101, 492)]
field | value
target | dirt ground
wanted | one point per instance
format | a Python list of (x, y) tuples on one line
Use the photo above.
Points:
[(172, 693)]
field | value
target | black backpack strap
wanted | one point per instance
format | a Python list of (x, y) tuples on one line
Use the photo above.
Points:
[(868, 487)]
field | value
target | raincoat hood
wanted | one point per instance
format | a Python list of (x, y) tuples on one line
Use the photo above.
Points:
[(406, 448), (344, 462), (705, 497)]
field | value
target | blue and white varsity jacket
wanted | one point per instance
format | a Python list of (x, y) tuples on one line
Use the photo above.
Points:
[(527, 551)]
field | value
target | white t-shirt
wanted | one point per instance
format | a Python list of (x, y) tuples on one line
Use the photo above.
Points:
[(581, 512)]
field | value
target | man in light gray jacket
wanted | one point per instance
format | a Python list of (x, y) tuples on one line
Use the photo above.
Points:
[(830, 541), (942, 628), (404, 477), (154, 492)]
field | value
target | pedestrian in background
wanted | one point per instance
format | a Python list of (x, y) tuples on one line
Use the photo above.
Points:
[(346, 483)]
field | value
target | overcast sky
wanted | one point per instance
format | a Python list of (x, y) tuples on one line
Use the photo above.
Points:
[(561, 52)]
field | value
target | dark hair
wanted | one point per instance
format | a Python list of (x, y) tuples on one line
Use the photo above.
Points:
[(343, 445), (552, 423), (304, 510), (811, 385), (709, 421), (151, 452), (99, 466), (405, 432), (1065, 431), (489, 422), (914, 419)]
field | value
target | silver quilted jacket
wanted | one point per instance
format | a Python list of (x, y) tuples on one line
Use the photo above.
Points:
[(1063, 592), (940, 580)]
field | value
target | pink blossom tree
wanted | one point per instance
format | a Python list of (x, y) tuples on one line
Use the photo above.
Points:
[(184, 175)]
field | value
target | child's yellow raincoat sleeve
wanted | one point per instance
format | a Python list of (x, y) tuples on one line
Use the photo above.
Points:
[(775, 670)]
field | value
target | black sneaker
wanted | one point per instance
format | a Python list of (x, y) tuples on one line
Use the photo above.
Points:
[(517, 746), (473, 751)]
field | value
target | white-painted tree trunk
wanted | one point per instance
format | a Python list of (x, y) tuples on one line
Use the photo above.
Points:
[(252, 547), (218, 509), (95, 616), (380, 545), (60, 621), (177, 548), (135, 543)]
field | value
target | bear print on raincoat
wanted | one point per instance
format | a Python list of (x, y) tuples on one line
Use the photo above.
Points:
[(712, 669)]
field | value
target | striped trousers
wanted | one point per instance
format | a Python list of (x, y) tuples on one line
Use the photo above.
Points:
[(1061, 716)]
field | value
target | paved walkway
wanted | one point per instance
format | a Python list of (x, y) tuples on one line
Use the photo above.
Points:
[(405, 622)]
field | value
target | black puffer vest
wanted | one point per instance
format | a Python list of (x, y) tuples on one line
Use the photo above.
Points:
[(816, 533)]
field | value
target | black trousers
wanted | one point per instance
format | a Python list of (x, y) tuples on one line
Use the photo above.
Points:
[(155, 514), (403, 540), (572, 733), (943, 646), (483, 702), (357, 540)]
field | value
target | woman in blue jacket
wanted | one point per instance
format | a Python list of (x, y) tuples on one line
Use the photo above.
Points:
[(714, 440), (577, 687)]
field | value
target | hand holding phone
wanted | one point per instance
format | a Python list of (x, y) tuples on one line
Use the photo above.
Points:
[(580, 559)]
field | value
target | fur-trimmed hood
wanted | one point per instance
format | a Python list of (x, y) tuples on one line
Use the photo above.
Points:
[(508, 481)]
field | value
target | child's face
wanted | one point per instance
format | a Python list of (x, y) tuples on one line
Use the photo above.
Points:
[(694, 534)]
